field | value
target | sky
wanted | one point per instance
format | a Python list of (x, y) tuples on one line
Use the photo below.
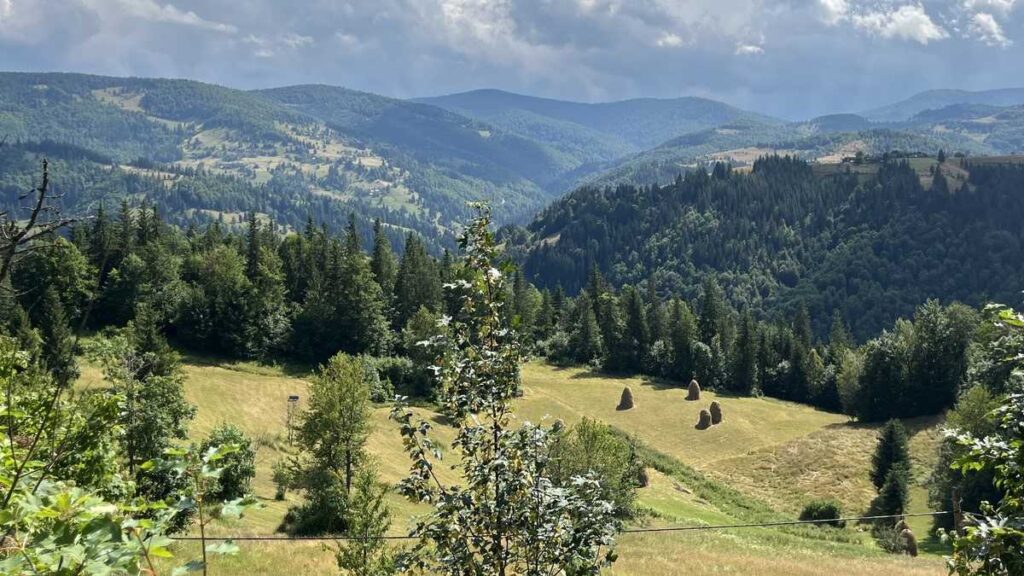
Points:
[(791, 58)]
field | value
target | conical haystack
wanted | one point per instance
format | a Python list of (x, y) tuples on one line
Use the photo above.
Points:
[(716, 413), (626, 402), (693, 392), (705, 420)]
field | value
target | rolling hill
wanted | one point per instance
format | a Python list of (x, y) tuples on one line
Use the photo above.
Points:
[(412, 164), (717, 476), (629, 125), (870, 240), (934, 99)]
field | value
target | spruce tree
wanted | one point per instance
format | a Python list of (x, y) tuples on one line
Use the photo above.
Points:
[(891, 452), (683, 333), (383, 263), (637, 336), (58, 352), (585, 344), (894, 492), (743, 373), (712, 311), (418, 283)]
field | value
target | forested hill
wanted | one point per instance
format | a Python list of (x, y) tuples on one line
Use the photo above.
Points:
[(626, 125), (869, 240), (304, 151)]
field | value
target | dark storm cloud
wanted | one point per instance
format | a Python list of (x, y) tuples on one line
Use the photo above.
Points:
[(794, 58)]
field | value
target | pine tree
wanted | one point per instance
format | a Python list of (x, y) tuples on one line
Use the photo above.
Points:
[(839, 339), (743, 373), (58, 353), (383, 263), (101, 243), (683, 334), (252, 247), (892, 451), (894, 492), (585, 338), (712, 311), (802, 328), (637, 337), (125, 232), (418, 283)]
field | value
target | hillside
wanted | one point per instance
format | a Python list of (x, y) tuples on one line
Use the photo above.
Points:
[(871, 241), (935, 99), (413, 164), (638, 124), (712, 477)]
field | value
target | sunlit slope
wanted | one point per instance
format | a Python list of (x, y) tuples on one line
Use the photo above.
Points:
[(766, 454)]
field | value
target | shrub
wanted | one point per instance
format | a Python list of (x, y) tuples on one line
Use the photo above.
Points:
[(381, 389), (237, 468), (716, 413), (403, 374), (626, 402), (284, 479), (324, 510), (823, 510), (591, 446)]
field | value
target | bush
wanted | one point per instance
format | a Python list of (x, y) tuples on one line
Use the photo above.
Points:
[(381, 389), (325, 509), (238, 468), (823, 510), (283, 478), (405, 377), (591, 446)]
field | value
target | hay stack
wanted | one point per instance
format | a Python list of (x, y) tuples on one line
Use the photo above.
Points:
[(716, 413), (909, 542), (626, 402), (705, 420), (693, 392)]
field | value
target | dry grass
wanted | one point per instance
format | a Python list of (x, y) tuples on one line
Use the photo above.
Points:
[(778, 452)]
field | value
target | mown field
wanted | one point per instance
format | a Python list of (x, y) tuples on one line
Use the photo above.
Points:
[(763, 462)]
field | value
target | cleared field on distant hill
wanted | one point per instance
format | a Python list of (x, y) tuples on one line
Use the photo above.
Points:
[(767, 454)]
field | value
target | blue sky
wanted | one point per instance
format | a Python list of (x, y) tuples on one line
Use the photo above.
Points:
[(793, 58)]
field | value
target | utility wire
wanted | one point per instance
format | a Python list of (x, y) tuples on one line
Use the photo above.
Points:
[(627, 531)]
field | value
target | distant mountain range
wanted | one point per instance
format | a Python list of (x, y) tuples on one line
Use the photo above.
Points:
[(936, 99), (211, 152)]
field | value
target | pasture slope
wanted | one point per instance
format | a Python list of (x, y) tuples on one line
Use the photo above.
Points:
[(763, 462)]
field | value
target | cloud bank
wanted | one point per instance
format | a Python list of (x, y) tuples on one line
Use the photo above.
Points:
[(787, 57)]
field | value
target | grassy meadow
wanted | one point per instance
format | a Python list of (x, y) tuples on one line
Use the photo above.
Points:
[(765, 460)]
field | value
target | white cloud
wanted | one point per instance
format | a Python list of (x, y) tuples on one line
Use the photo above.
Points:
[(269, 47), (749, 49), (670, 40), (834, 11), (1002, 7), (985, 28), (150, 11), (293, 40), (908, 22)]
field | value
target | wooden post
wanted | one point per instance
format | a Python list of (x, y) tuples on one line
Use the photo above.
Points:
[(958, 515)]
